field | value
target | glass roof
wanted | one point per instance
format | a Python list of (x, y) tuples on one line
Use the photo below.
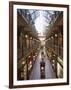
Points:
[(39, 18)]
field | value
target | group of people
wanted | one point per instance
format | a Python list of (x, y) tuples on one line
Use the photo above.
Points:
[(42, 65)]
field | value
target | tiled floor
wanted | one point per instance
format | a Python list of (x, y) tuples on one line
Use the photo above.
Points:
[(49, 73)]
